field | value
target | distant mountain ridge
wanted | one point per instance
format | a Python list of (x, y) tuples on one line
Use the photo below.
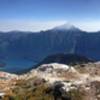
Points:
[(38, 45), (66, 27)]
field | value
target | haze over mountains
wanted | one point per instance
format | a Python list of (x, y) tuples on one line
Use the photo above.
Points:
[(36, 46)]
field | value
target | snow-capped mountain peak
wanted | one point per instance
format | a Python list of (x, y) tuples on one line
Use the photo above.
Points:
[(65, 27)]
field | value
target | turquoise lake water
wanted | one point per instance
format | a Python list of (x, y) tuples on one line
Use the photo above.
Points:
[(16, 65)]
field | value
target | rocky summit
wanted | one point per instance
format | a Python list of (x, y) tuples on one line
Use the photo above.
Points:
[(53, 81)]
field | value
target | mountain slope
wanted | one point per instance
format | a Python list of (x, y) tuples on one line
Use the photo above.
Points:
[(38, 45), (88, 45), (68, 59)]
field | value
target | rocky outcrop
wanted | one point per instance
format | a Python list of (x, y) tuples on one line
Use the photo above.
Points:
[(56, 81)]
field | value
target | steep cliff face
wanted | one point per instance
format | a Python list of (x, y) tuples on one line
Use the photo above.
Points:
[(88, 45), (37, 46)]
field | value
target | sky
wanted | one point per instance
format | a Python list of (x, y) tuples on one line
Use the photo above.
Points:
[(36, 15)]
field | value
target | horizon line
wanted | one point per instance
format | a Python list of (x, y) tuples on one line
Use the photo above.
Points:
[(44, 26)]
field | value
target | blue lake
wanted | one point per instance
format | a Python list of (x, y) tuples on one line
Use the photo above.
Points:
[(17, 65)]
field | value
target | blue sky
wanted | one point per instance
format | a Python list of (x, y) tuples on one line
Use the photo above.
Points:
[(35, 15)]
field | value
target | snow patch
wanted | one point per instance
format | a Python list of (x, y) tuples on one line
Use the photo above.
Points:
[(53, 66)]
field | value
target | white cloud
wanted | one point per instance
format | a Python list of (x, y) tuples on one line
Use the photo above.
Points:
[(37, 26), (28, 25), (90, 26)]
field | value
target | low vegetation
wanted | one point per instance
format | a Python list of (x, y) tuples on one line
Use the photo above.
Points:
[(29, 90)]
